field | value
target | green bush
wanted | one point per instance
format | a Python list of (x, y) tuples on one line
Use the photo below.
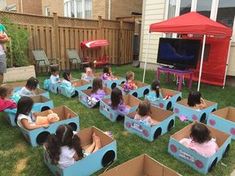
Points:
[(17, 48)]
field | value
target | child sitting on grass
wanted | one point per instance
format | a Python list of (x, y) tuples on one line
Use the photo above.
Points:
[(67, 82), (5, 102), (143, 114), (156, 93), (64, 148), (54, 78), (107, 74), (24, 117), (200, 140), (88, 75), (30, 87), (196, 101), (130, 84), (117, 102), (97, 92)]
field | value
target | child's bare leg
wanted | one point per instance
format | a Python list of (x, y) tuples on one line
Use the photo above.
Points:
[(97, 143), (90, 148)]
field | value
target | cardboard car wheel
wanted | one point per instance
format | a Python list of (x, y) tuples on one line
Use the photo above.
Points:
[(146, 91), (226, 150), (178, 99), (122, 82), (73, 126), (213, 110), (57, 90), (108, 158), (203, 118), (44, 108), (113, 85), (157, 133), (169, 105), (212, 165), (89, 87), (120, 118), (135, 94), (170, 125), (41, 138)]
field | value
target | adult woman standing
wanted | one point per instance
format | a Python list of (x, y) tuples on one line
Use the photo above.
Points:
[(3, 40)]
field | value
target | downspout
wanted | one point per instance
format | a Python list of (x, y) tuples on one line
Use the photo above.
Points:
[(109, 9)]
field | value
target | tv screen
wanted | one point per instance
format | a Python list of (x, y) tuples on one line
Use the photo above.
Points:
[(182, 53)]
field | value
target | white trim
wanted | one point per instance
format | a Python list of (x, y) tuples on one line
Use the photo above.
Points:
[(201, 63), (194, 6), (214, 9), (177, 8), (227, 62), (146, 56)]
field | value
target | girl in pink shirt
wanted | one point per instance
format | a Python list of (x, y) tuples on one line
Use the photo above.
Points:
[(6, 103), (201, 141)]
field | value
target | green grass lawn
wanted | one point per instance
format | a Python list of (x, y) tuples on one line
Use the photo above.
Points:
[(19, 158)]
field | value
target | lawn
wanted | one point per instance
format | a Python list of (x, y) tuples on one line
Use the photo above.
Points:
[(19, 158)]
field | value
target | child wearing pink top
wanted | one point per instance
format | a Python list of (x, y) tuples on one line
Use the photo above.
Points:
[(6, 103), (201, 141)]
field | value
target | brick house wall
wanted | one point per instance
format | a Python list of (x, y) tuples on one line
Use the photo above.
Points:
[(100, 8), (56, 6)]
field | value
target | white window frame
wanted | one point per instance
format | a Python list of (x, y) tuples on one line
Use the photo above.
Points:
[(47, 11)]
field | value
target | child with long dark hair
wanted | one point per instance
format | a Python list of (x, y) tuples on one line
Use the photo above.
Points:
[(24, 117), (64, 148), (30, 87), (144, 112), (196, 101), (117, 102), (155, 94), (200, 140), (130, 84), (5, 102), (107, 73), (67, 81)]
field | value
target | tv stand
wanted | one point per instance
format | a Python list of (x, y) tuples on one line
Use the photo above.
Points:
[(178, 72)]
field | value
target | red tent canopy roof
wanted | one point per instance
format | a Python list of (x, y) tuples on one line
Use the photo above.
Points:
[(191, 23), (94, 43)]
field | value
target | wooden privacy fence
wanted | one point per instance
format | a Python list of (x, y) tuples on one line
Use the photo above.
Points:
[(55, 34)]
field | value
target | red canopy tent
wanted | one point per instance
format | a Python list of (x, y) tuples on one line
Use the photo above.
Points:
[(194, 23)]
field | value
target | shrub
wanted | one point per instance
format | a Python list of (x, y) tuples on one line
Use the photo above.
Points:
[(17, 48)]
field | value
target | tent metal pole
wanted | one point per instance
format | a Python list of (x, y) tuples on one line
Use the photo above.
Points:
[(201, 63), (146, 56), (228, 56)]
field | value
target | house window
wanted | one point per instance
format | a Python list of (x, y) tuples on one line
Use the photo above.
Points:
[(78, 8), (226, 12), (185, 6), (204, 7), (88, 8), (47, 11), (171, 8)]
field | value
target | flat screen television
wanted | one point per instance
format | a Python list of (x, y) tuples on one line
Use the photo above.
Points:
[(180, 53)]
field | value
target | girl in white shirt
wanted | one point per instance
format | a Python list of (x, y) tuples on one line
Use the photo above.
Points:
[(54, 78), (69, 85), (24, 115), (30, 87), (64, 147)]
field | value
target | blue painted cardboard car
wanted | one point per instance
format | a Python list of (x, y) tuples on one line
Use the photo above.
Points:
[(142, 90), (84, 97), (91, 163), (38, 136), (167, 100), (142, 165), (191, 157), (183, 111), (105, 107), (224, 120), (165, 118), (79, 85), (41, 103), (54, 88)]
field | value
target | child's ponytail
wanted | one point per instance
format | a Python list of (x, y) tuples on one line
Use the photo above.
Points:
[(53, 148), (76, 143), (156, 86)]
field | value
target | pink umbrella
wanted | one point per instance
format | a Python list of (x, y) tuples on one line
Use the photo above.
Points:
[(94, 43)]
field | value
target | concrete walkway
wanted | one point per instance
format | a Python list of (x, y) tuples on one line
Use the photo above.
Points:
[(233, 173)]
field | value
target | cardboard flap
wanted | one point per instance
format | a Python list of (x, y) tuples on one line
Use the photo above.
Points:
[(185, 103), (151, 167), (140, 84), (106, 90), (39, 99), (16, 84), (39, 91), (223, 113), (220, 136), (131, 101), (231, 114), (78, 83), (170, 92), (107, 100), (159, 114), (85, 136), (62, 111)]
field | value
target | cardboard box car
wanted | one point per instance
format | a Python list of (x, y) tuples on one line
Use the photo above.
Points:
[(184, 111), (165, 119), (142, 90), (105, 107), (168, 100), (224, 120), (142, 165), (84, 96), (192, 158), (91, 163), (41, 103), (38, 136)]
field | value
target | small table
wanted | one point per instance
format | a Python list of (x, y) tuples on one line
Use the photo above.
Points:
[(179, 73)]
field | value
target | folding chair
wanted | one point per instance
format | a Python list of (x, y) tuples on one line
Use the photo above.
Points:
[(75, 59)]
